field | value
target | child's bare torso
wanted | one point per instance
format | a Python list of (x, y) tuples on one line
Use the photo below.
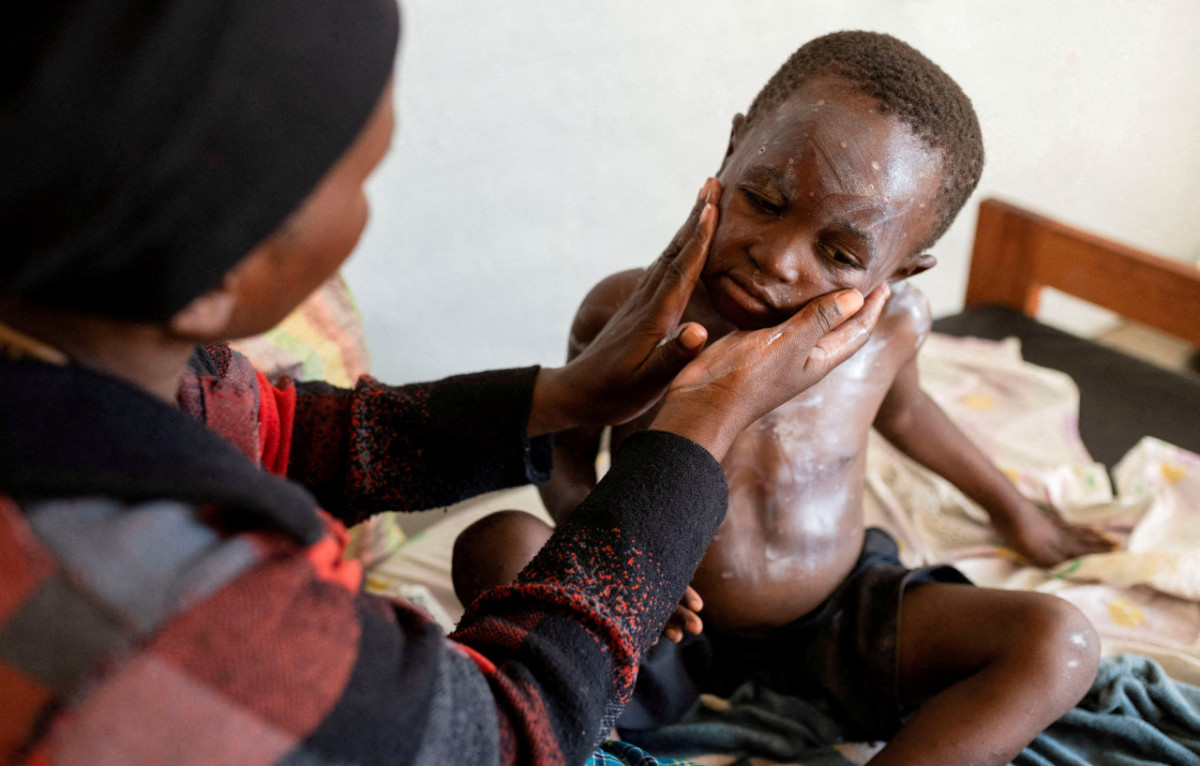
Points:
[(794, 527)]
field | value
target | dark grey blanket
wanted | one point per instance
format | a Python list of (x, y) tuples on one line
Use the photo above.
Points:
[(1134, 715)]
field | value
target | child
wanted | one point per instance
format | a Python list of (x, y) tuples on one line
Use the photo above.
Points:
[(852, 161), (178, 172)]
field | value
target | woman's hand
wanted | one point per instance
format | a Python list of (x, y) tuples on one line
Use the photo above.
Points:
[(629, 364), (746, 374)]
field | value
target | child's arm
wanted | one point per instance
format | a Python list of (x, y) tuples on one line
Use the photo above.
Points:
[(574, 473), (919, 428)]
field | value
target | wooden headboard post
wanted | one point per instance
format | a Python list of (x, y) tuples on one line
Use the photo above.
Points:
[(1017, 253), (1002, 266)]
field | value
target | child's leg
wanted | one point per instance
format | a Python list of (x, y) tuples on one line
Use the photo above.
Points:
[(993, 668), (492, 551)]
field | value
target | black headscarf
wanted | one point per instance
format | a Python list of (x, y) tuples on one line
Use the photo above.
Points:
[(148, 145)]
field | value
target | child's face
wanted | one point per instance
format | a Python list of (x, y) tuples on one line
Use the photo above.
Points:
[(821, 194)]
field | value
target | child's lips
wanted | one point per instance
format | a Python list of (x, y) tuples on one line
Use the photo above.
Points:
[(748, 299)]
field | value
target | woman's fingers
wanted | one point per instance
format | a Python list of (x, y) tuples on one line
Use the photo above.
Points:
[(676, 350), (668, 284), (747, 374), (653, 275), (709, 192), (851, 333), (674, 289), (628, 365), (825, 332), (662, 299)]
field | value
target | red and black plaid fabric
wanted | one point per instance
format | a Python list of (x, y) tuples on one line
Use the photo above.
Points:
[(164, 600)]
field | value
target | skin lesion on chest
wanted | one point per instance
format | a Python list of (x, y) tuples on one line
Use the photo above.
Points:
[(826, 424)]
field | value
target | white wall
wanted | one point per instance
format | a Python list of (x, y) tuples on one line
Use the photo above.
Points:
[(547, 143)]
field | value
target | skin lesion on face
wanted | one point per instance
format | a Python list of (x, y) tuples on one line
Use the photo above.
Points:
[(823, 193)]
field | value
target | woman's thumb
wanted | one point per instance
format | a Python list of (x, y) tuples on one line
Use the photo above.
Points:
[(676, 350)]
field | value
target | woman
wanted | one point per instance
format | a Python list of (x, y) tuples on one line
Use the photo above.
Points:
[(179, 173)]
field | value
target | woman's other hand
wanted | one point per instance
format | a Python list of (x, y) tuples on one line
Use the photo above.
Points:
[(746, 374)]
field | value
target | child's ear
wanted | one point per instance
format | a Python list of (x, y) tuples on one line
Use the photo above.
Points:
[(914, 265), (207, 317), (735, 137)]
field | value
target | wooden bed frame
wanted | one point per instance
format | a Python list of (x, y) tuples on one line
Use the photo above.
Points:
[(1018, 252)]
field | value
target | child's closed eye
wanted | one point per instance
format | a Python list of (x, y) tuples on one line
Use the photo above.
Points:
[(764, 203), (838, 255)]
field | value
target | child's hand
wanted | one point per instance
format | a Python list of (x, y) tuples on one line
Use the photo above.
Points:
[(626, 368), (747, 374), (1042, 536), (685, 618)]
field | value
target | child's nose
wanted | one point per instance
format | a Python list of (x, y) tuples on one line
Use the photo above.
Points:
[(782, 260)]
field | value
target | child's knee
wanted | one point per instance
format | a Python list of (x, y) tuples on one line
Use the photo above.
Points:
[(1061, 649), (492, 551)]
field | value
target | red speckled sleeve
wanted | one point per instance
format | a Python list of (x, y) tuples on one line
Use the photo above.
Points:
[(377, 447)]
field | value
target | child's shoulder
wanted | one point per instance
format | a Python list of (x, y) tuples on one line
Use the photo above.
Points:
[(612, 291), (598, 306), (906, 315)]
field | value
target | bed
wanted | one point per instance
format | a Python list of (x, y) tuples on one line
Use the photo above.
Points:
[(1110, 440), (1017, 253)]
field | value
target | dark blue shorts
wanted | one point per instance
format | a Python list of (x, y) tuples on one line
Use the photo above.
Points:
[(840, 657)]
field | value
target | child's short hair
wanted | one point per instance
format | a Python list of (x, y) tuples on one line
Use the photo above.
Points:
[(907, 85)]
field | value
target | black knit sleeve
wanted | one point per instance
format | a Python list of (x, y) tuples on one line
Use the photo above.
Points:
[(583, 612), (377, 447), (537, 670)]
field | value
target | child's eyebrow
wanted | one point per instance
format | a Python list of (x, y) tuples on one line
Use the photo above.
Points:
[(857, 231), (774, 175)]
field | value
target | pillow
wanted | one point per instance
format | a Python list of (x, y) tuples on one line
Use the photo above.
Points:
[(323, 339)]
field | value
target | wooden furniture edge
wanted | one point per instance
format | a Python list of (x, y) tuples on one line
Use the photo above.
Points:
[(1018, 252)]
